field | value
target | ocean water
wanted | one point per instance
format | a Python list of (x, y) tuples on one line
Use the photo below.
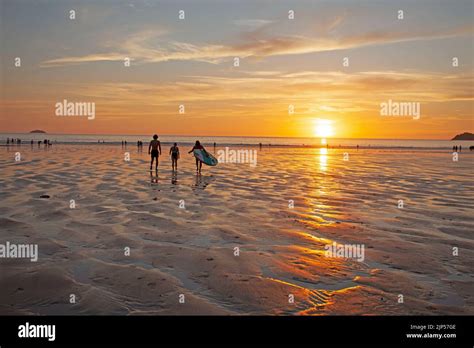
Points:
[(236, 141)]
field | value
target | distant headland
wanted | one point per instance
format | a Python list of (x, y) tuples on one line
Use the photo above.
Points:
[(464, 136), (37, 131)]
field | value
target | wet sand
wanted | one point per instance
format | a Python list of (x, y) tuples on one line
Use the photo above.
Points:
[(191, 251)]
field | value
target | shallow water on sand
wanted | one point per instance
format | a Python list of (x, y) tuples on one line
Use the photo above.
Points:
[(280, 214)]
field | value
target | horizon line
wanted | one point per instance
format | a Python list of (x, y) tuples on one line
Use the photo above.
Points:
[(230, 136)]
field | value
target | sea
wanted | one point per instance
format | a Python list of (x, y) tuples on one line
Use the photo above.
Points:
[(236, 141)]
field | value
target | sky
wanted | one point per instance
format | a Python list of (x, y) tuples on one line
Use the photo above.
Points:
[(284, 64)]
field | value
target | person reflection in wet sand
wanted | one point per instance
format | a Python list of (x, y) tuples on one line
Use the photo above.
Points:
[(197, 183), (154, 178), (201, 183), (174, 178)]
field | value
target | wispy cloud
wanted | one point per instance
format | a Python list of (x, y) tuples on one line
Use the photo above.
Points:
[(155, 47), (332, 89), (252, 23)]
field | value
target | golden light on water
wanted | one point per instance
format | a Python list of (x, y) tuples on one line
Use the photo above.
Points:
[(323, 158)]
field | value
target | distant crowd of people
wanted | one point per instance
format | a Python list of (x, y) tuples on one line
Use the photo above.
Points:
[(14, 141), (456, 148), (47, 142), (139, 144), (17, 141)]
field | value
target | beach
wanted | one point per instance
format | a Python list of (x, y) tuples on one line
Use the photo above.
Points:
[(238, 239)]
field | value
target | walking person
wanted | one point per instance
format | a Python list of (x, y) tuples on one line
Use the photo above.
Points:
[(198, 146), (154, 149), (174, 153)]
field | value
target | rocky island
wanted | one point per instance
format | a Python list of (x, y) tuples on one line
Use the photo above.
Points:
[(464, 136)]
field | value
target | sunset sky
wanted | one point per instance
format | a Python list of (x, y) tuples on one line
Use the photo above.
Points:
[(282, 62)]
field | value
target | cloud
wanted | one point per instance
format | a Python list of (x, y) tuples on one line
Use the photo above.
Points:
[(154, 47), (83, 59), (332, 89), (340, 96), (252, 22)]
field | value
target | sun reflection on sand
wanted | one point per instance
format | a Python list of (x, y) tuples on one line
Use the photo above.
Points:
[(246, 206), (315, 239), (323, 158)]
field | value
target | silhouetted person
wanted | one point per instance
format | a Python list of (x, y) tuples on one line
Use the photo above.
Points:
[(198, 146), (154, 149), (174, 153)]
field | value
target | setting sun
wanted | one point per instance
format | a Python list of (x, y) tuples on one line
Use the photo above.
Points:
[(323, 128)]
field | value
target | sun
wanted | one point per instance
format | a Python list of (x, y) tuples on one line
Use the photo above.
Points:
[(323, 128)]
